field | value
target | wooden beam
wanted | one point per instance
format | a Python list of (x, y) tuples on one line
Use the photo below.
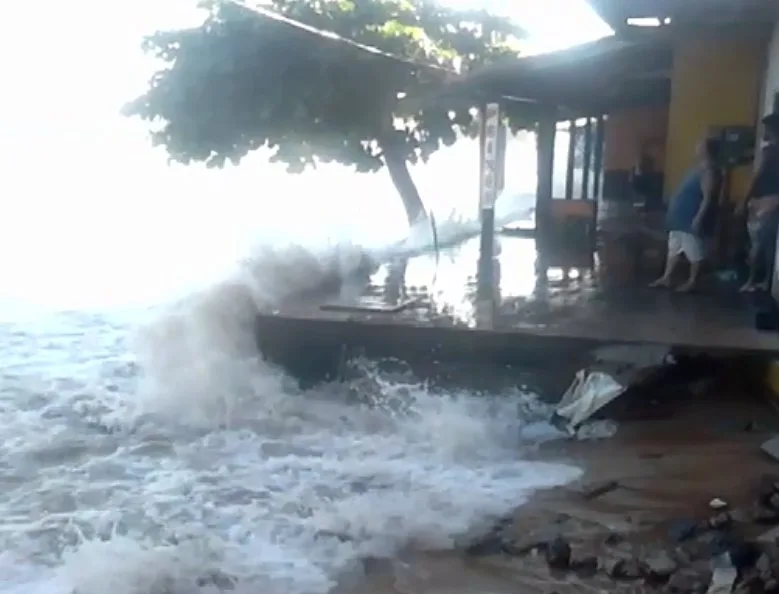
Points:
[(545, 134), (571, 159), (587, 161)]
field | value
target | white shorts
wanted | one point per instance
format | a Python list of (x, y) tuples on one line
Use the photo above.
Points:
[(693, 247)]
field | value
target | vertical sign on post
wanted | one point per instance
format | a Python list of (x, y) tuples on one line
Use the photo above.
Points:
[(489, 166), (490, 178)]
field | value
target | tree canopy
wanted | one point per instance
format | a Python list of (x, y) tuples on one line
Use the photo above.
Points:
[(301, 85)]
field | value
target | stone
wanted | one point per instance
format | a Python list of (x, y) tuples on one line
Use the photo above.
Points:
[(585, 566), (491, 544), (558, 553), (720, 520), (660, 565), (769, 536), (715, 543), (718, 504), (771, 447), (682, 530), (689, 581), (591, 491), (765, 515), (613, 539), (743, 556), (722, 580), (621, 568)]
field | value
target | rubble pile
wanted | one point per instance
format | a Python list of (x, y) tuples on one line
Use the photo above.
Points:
[(729, 550)]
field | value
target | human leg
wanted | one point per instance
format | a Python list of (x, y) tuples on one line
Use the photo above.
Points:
[(675, 251), (694, 249)]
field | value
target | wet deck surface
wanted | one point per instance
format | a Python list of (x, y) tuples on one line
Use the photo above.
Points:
[(442, 292)]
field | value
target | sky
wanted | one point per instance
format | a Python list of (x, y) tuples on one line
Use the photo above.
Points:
[(83, 193)]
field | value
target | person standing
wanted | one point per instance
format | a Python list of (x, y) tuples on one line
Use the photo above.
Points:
[(762, 206), (692, 213)]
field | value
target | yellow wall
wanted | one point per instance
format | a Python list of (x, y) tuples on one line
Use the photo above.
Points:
[(632, 131), (716, 81)]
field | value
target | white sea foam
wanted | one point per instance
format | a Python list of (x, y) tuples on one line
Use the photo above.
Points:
[(215, 469)]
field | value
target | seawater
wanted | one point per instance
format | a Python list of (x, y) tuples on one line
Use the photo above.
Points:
[(154, 452)]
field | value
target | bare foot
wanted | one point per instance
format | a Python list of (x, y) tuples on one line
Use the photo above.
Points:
[(661, 282), (762, 286), (687, 287)]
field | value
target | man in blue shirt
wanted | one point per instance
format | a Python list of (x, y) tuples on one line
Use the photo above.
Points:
[(691, 215)]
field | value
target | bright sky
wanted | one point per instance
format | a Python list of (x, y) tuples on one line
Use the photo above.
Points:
[(81, 187)]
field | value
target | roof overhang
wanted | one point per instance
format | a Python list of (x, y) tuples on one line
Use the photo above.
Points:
[(617, 13), (591, 79)]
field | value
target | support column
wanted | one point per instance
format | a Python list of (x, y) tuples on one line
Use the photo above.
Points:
[(597, 162), (492, 167), (545, 137), (587, 161), (571, 160)]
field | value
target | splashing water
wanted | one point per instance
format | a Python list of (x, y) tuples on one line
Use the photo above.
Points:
[(177, 461)]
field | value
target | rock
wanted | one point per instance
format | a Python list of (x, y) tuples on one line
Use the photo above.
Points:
[(585, 566), (682, 530), (715, 543), (660, 565), (743, 556), (689, 581), (765, 515), (718, 504), (721, 520), (722, 580), (558, 553), (621, 568), (767, 487), (613, 539), (491, 544), (771, 447), (594, 490), (771, 535), (750, 584)]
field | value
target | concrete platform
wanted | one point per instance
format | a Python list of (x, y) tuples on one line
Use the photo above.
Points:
[(431, 312)]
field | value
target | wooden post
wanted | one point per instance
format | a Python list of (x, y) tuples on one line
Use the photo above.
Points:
[(490, 178), (545, 137), (587, 161), (571, 159), (597, 165)]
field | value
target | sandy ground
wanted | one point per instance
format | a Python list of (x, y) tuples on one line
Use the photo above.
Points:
[(704, 444)]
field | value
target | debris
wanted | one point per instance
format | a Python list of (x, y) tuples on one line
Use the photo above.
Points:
[(771, 535), (589, 392), (765, 515), (771, 447), (558, 553), (718, 504), (586, 566), (689, 581), (722, 580), (682, 530), (660, 565), (594, 490), (623, 568), (721, 520)]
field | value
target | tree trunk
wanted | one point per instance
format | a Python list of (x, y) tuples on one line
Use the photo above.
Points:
[(396, 164)]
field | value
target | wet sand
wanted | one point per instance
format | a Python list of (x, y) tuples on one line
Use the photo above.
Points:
[(707, 445)]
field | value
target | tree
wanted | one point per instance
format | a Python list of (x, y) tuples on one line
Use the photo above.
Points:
[(300, 81)]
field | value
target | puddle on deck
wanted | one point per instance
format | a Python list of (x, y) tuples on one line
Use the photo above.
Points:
[(440, 290)]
